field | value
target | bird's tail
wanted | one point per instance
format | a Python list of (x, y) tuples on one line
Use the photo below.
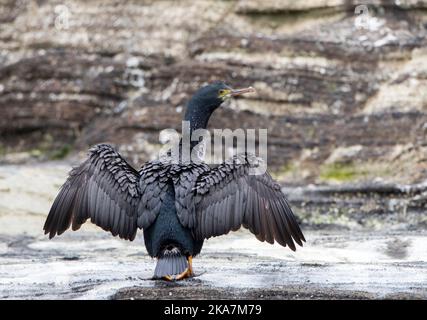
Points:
[(170, 263)]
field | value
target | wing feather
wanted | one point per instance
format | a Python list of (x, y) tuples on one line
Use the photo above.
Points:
[(103, 188), (155, 176), (227, 197)]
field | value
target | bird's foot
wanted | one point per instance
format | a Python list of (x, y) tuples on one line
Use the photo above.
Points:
[(190, 265), (168, 278), (187, 273)]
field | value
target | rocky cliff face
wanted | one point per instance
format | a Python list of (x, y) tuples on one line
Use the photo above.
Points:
[(344, 95)]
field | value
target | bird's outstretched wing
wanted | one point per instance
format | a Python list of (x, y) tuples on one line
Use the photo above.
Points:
[(105, 189), (227, 197), (153, 187), (184, 179)]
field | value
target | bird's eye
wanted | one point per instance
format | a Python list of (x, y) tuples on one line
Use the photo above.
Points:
[(222, 92)]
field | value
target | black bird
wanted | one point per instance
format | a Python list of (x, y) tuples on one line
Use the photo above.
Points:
[(177, 205)]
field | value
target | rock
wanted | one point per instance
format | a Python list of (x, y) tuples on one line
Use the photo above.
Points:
[(121, 72), (276, 6), (344, 154)]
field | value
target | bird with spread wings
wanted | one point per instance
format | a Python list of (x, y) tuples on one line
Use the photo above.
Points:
[(177, 205)]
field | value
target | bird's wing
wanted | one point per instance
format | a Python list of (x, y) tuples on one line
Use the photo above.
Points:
[(227, 197), (184, 179), (105, 189), (153, 186)]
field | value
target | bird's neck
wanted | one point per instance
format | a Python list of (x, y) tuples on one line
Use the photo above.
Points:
[(195, 116)]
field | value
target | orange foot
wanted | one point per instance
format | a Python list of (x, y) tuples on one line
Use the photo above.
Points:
[(188, 272)]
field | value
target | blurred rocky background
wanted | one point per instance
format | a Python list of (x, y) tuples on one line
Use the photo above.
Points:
[(341, 86)]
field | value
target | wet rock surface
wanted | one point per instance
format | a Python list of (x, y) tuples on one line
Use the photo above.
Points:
[(345, 259), (332, 265)]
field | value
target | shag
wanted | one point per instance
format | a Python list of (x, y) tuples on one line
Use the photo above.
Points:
[(177, 205)]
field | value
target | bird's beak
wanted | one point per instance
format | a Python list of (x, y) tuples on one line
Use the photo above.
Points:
[(238, 92)]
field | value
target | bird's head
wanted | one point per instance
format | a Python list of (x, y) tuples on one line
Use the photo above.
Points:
[(213, 95)]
